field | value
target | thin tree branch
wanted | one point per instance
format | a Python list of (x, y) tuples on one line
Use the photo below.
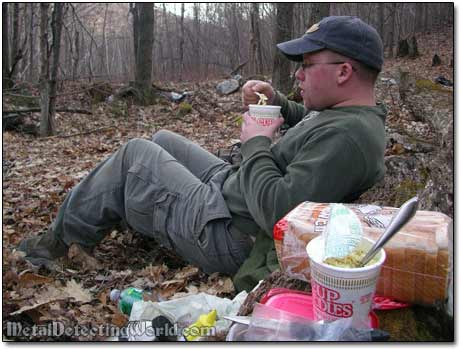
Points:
[(37, 110)]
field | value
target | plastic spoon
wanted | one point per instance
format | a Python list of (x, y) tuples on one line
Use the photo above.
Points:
[(403, 215)]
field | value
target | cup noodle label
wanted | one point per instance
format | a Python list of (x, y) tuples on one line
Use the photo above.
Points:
[(264, 121), (336, 303)]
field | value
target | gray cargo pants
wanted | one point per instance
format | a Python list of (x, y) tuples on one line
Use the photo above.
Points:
[(169, 189)]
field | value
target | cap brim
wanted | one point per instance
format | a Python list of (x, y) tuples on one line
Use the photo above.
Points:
[(294, 49)]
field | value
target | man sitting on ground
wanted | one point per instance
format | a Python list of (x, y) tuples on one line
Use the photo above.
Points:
[(214, 214)]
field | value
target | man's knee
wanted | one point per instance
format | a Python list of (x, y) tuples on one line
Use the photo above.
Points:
[(136, 147), (162, 137)]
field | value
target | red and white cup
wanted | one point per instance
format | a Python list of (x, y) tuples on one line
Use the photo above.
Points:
[(340, 293), (264, 114)]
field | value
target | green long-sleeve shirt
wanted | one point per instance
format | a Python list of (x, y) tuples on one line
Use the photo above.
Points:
[(329, 156)]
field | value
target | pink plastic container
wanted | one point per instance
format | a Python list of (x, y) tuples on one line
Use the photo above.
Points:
[(299, 303)]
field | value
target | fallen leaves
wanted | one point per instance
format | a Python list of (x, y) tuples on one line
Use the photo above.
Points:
[(29, 279), (77, 292), (77, 255), (39, 173), (72, 290)]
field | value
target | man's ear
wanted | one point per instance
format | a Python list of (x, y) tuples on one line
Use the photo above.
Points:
[(344, 73)]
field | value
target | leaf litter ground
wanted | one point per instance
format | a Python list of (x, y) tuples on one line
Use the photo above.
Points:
[(38, 173)]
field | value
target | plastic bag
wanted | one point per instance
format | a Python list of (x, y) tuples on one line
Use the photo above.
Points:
[(343, 233), (181, 312), (272, 324)]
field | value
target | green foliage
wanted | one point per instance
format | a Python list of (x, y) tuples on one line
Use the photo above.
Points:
[(184, 108), (237, 118), (119, 109), (407, 189), (99, 92), (25, 101), (426, 84)]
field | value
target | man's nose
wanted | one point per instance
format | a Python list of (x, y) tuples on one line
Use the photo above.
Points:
[(300, 74)]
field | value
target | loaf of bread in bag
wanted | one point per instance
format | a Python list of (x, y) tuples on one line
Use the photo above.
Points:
[(418, 264)]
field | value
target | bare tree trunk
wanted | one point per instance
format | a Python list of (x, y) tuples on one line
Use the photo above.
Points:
[(419, 17), (168, 40), (207, 63), (197, 51), (426, 16), (380, 18), (255, 41), (104, 55), (135, 14), (44, 71), (399, 22), (31, 73), (15, 38), (76, 55), (47, 83), (7, 83), (16, 53), (181, 44), (48, 98), (319, 11), (234, 47), (390, 42), (145, 31), (284, 21)]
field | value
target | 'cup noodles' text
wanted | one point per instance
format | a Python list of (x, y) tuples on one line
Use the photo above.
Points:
[(326, 302)]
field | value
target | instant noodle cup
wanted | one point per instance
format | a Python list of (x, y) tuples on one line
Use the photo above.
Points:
[(343, 292), (264, 114)]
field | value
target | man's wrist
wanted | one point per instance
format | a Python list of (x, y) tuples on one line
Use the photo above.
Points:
[(254, 144), (275, 100)]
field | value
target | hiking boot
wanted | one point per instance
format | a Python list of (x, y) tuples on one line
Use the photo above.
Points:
[(43, 250)]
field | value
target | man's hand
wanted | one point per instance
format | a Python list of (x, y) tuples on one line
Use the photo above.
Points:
[(250, 128), (250, 97)]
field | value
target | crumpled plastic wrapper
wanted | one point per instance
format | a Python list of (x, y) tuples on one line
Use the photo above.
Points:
[(182, 312)]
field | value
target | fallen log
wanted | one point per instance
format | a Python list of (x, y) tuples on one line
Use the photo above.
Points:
[(80, 133), (38, 110)]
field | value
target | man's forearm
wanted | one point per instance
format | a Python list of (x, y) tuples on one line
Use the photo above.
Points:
[(291, 111)]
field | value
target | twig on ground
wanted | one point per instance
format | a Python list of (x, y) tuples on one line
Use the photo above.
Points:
[(80, 133), (38, 110)]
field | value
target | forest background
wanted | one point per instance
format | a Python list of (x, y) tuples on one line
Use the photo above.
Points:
[(80, 79)]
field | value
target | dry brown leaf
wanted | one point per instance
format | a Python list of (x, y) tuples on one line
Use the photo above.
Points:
[(10, 277), (31, 279), (178, 282), (103, 297), (398, 149), (76, 291), (79, 256), (154, 272), (51, 294), (187, 272), (87, 308), (119, 319), (191, 290), (226, 286), (30, 307), (170, 287)]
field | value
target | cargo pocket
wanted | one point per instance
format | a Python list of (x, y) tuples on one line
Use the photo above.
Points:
[(163, 217), (147, 204), (139, 199)]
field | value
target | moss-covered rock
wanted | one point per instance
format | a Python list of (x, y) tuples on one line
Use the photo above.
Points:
[(184, 108), (426, 84), (416, 323)]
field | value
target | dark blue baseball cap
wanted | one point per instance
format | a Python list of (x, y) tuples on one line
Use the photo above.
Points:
[(347, 35)]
